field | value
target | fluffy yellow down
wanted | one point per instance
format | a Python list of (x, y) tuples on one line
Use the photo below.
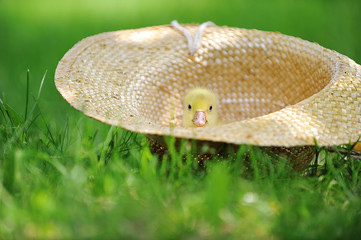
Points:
[(200, 108)]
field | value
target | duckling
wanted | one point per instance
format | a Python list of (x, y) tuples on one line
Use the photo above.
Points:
[(200, 108)]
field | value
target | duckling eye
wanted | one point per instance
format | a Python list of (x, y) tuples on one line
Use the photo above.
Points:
[(210, 108), (189, 107)]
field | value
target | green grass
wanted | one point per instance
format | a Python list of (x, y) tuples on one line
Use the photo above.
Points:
[(88, 180), (66, 176)]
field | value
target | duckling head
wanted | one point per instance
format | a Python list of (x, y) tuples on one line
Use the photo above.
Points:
[(200, 108)]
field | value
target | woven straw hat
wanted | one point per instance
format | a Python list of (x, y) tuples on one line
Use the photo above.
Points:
[(273, 89)]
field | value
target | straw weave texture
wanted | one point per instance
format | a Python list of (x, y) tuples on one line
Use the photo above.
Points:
[(273, 89)]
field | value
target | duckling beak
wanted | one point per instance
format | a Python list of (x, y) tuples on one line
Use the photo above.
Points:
[(200, 119)]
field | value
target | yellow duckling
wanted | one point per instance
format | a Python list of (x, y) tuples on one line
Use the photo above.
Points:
[(200, 108)]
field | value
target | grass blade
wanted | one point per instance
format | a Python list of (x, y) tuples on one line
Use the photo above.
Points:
[(39, 92), (13, 116), (2, 108), (41, 84), (9, 174), (27, 93)]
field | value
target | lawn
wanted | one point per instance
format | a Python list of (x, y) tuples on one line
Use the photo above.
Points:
[(66, 176)]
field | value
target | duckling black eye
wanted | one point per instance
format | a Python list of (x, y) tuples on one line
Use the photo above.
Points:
[(210, 108), (189, 107)]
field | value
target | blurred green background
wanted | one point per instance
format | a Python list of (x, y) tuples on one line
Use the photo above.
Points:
[(35, 34)]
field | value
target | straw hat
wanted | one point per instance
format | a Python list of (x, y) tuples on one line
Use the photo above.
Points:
[(273, 89)]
